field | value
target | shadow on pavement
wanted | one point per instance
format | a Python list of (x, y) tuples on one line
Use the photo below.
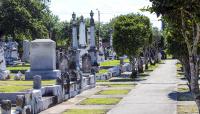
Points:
[(181, 96)]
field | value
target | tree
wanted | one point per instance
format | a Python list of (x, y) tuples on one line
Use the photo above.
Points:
[(130, 33), (23, 17), (178, 48), (185, 14)]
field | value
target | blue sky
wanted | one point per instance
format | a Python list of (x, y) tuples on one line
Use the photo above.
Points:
[(108, 9)]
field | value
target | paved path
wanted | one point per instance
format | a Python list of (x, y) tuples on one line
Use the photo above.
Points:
[(153, 96)]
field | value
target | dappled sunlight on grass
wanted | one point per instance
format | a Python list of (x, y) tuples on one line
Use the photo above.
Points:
[(113, 92), (100, 101), (110, 63), (85, 111)]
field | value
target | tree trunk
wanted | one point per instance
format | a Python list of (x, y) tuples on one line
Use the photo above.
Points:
[(186, 69), (134, 71), (140, 65), (146, 58), (194, 79)]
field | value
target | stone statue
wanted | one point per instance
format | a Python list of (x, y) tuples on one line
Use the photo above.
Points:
[(4, 74)]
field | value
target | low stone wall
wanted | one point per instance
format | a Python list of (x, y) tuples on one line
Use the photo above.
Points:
[(45, 97), (114, 71), (11, 96), (104, 76)]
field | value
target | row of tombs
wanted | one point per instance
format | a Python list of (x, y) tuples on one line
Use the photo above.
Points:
[(71, 77), (77, 72)]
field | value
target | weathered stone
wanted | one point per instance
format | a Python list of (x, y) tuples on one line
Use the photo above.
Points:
[(82, 35), (86, 63), (27, 109), (37, 84), (3, 72), (121, 60), (92, 31), (6, 107), (36, 101), (92, 51), (20, 103), (43, 59), (26, 51), (74, 32), (18, 76)]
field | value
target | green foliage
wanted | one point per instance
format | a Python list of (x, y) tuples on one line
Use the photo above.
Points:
[(100, 101), (130, 34), (176, 44), (85, 111), (23, 17), (127, 61)]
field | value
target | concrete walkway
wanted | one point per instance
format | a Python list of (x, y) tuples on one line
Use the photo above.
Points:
[(156, 95)]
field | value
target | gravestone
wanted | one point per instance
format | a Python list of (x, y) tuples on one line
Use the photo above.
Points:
[(18, 76), (92, 31), (26, 51), (6, 107), (74, 32), (82, 35), (20, 103), (101, 55), (43, 60), (3, 72), (92, 51), (11, 51), (86, 63), (37, 84), (88, 35)]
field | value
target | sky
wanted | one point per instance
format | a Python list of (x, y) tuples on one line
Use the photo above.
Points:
[(108, 9)]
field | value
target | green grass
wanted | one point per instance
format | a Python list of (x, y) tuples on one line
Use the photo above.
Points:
[(127, 61), (102, 71), (11, 88), (187, 109), (14, 82), (153, 67), (102, 80), (17, 86), (114, 92), (18, 68), (178, 65), (121, 79), (100, 101), (122, 85), (110, 63), (85, 111)]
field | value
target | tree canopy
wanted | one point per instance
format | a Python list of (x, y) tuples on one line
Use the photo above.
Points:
[(130, 33)]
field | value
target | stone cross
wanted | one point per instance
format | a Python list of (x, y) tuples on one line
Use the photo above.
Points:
[(6, 107), (74, 32), (82, 35)]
